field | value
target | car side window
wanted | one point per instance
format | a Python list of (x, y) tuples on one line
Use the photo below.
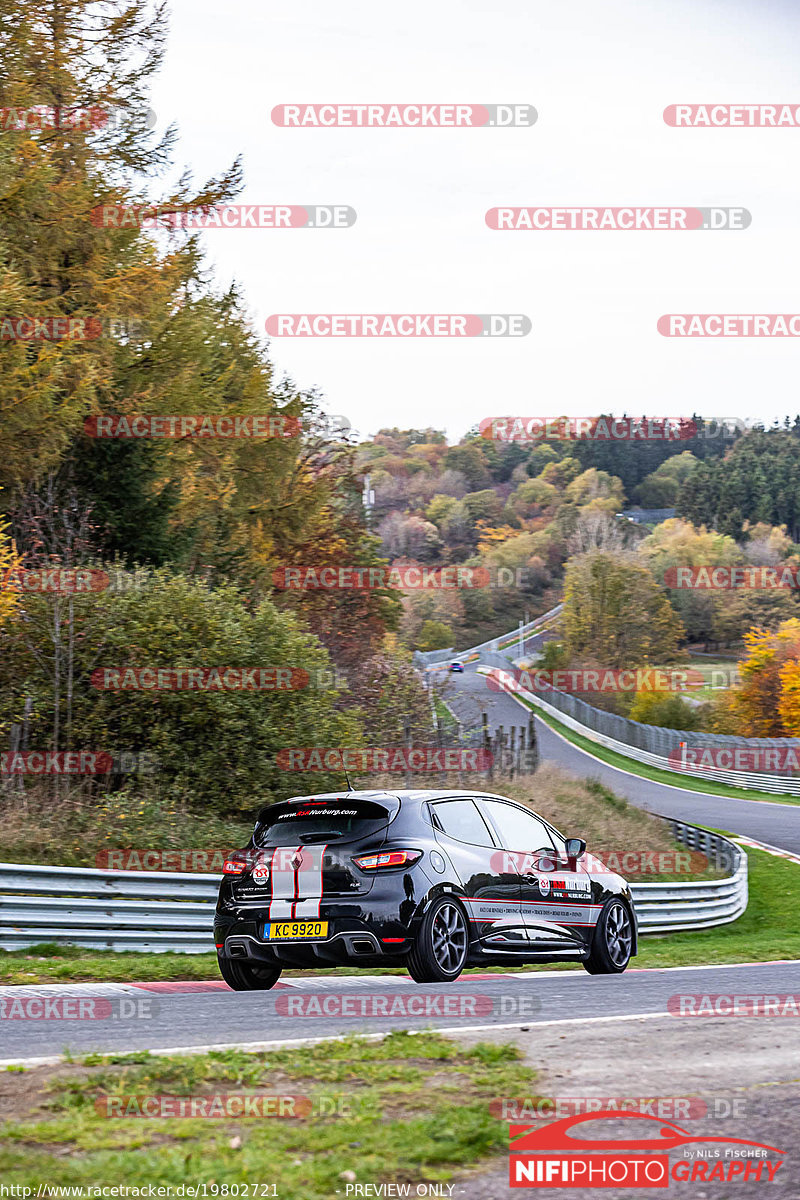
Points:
[(560, 844), (461, 820), (518, 829)]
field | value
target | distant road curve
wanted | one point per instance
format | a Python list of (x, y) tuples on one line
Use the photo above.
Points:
[(777, 824)]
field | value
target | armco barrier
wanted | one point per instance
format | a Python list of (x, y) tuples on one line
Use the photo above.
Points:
[(427, 658), (564, 707), (154, 911), (106, 910), (650, 744), (700, 904), (506, 641)]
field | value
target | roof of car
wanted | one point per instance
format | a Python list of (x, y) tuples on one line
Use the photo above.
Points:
[(401, 794)]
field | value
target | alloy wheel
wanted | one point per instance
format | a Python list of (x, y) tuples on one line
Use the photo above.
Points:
[(449, 938), (619, 934)]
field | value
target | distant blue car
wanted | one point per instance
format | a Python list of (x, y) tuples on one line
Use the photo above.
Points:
[(456, 666)]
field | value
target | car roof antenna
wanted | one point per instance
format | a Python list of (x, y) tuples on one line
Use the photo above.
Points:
[(347, 777)]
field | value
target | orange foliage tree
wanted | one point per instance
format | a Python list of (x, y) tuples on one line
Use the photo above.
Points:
[(768, 702)]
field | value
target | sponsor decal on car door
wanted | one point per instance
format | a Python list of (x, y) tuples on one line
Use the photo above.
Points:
[(555, 895)]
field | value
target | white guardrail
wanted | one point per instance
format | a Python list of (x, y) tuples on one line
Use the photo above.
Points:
[(155, 911), (751, 780), (508, 641)]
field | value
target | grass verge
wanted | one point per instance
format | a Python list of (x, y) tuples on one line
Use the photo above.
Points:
[(767, 929), (78, 832), (408, 1109)]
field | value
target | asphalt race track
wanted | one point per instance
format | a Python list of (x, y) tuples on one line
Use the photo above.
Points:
[(180, 1015), (776, 824)]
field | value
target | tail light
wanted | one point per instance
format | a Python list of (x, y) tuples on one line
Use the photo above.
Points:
[(234, 866), (390, 858)]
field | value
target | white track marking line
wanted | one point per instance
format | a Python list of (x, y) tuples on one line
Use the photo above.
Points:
[(255, 1047)]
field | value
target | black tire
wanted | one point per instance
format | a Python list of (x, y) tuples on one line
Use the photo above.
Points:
[(613, 940), (440, 949), (248, 977)]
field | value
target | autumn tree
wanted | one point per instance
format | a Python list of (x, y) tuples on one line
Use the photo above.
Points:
[(718, 615), (66, 59), (615, 612), (662, 488), (9, 566), (766, 703)]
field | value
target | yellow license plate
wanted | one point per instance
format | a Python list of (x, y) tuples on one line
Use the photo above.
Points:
[(294, 930)]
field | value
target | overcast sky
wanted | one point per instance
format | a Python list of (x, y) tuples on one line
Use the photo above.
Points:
[(599, 77)]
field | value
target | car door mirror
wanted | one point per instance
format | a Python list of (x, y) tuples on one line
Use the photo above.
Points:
[(576, 847)]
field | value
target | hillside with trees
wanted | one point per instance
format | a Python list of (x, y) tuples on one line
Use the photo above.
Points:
[(196, 534)]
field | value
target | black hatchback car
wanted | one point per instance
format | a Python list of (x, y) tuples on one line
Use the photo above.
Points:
[(431, 880)]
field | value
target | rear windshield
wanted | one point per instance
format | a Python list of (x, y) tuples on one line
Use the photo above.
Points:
[(295, 823)]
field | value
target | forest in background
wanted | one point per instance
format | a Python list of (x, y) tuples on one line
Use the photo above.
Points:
[(194, 532)]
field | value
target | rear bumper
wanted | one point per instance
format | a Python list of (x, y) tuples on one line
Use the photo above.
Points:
[(353, 936), (339, 949)]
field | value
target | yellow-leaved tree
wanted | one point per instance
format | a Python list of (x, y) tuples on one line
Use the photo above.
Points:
[(789, 702), (768, 702), (9, 562)]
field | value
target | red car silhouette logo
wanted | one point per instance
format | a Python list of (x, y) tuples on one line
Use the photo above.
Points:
[(556, 1136)]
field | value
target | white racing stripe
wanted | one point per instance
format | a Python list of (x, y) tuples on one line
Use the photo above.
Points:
[(282, 875), (296, 873), (309, 881)]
